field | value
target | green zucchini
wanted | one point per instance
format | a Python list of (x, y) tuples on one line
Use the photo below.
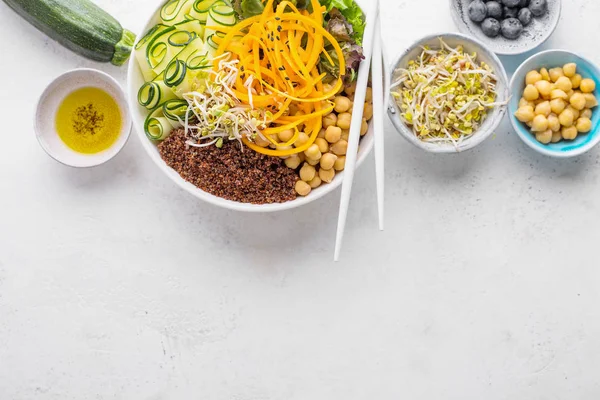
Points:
[(79, 25)]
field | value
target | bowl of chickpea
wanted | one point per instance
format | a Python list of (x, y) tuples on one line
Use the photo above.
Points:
[(554, 105)]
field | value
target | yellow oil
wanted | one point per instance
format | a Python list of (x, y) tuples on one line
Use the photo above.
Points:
[(88, 120)]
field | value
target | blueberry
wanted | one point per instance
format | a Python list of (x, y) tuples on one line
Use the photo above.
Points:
[(523, 3), (538, 7), (510, 12), (490, 27), (525, 16), (494, 10), (511, 3), (477, 11), (511, 28)]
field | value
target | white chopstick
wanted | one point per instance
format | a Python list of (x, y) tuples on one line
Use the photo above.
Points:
[(357, 114), (378, 107)]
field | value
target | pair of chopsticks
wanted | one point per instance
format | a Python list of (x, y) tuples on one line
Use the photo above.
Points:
[(372, 52)]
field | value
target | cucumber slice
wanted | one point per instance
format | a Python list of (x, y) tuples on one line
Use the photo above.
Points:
[(146, 45), (176, 109), (224, 17), (174, 11), (175, 73), (152, 94), (200, 9), (157, 126)]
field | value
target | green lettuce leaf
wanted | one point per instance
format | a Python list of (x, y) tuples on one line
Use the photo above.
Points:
[(352, 12)]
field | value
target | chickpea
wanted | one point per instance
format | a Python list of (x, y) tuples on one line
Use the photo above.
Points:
[(575, 112), (340, 163), (525, 114), (307, 172), (544, 137), (590, 100), (553, 123), (532, 77), (326, 175), (531, 93), (344, 120), (323, 145), (570, 70), (587, 113), (261, 141), (364, 127), (368, 111), (563, 83), (558, 94), (545, 88), (328, 160), (293, 108), (312, 162), (566, 118), (540, 124), (369, 95), (340, 148), (333, 134), (286, 135), (342, 104), (570, 93), (543, 108), (556, 137), (523, 103), (301, 156), (303, 188), (293, 161), (529, 124), (569, 133), (584, 125), (327, 87), (544, 74), (329, 120), (557, 106), (316, 182), (576, 81), (350, 90), (555, 73), (313, 152), (302, 139), (578, 101), (345, 134), (321, 134), (587, 86)]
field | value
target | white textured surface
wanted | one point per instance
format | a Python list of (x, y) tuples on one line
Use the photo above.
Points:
[(114, 284)]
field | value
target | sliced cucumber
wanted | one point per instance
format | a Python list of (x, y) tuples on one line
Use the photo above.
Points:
[(174, 11), (143, 48), (175, 111), (220, 14), (175, 73), (157, 127), (153, 94), (200, 9)]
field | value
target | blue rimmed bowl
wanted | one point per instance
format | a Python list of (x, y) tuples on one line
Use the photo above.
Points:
[(551, 59)]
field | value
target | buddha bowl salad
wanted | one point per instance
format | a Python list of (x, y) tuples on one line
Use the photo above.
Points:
[(252, 100)]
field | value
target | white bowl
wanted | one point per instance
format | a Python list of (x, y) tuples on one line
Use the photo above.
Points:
[(493, 118), (534, 34), (135, 81), (50, 100)]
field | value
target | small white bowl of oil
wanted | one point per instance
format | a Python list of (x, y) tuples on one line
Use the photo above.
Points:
[(82, 119)]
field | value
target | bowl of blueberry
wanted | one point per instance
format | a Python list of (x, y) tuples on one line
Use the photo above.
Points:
[(507, 26)]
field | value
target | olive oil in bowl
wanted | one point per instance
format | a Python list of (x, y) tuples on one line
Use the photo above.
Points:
[(89, 120)]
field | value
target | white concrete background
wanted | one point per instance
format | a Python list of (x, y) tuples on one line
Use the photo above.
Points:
[(115, 284)]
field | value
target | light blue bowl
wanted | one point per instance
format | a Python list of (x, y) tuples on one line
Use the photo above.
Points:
[(551, 59)]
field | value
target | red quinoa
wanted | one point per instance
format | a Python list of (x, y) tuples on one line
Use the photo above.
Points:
[(245, 176)]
